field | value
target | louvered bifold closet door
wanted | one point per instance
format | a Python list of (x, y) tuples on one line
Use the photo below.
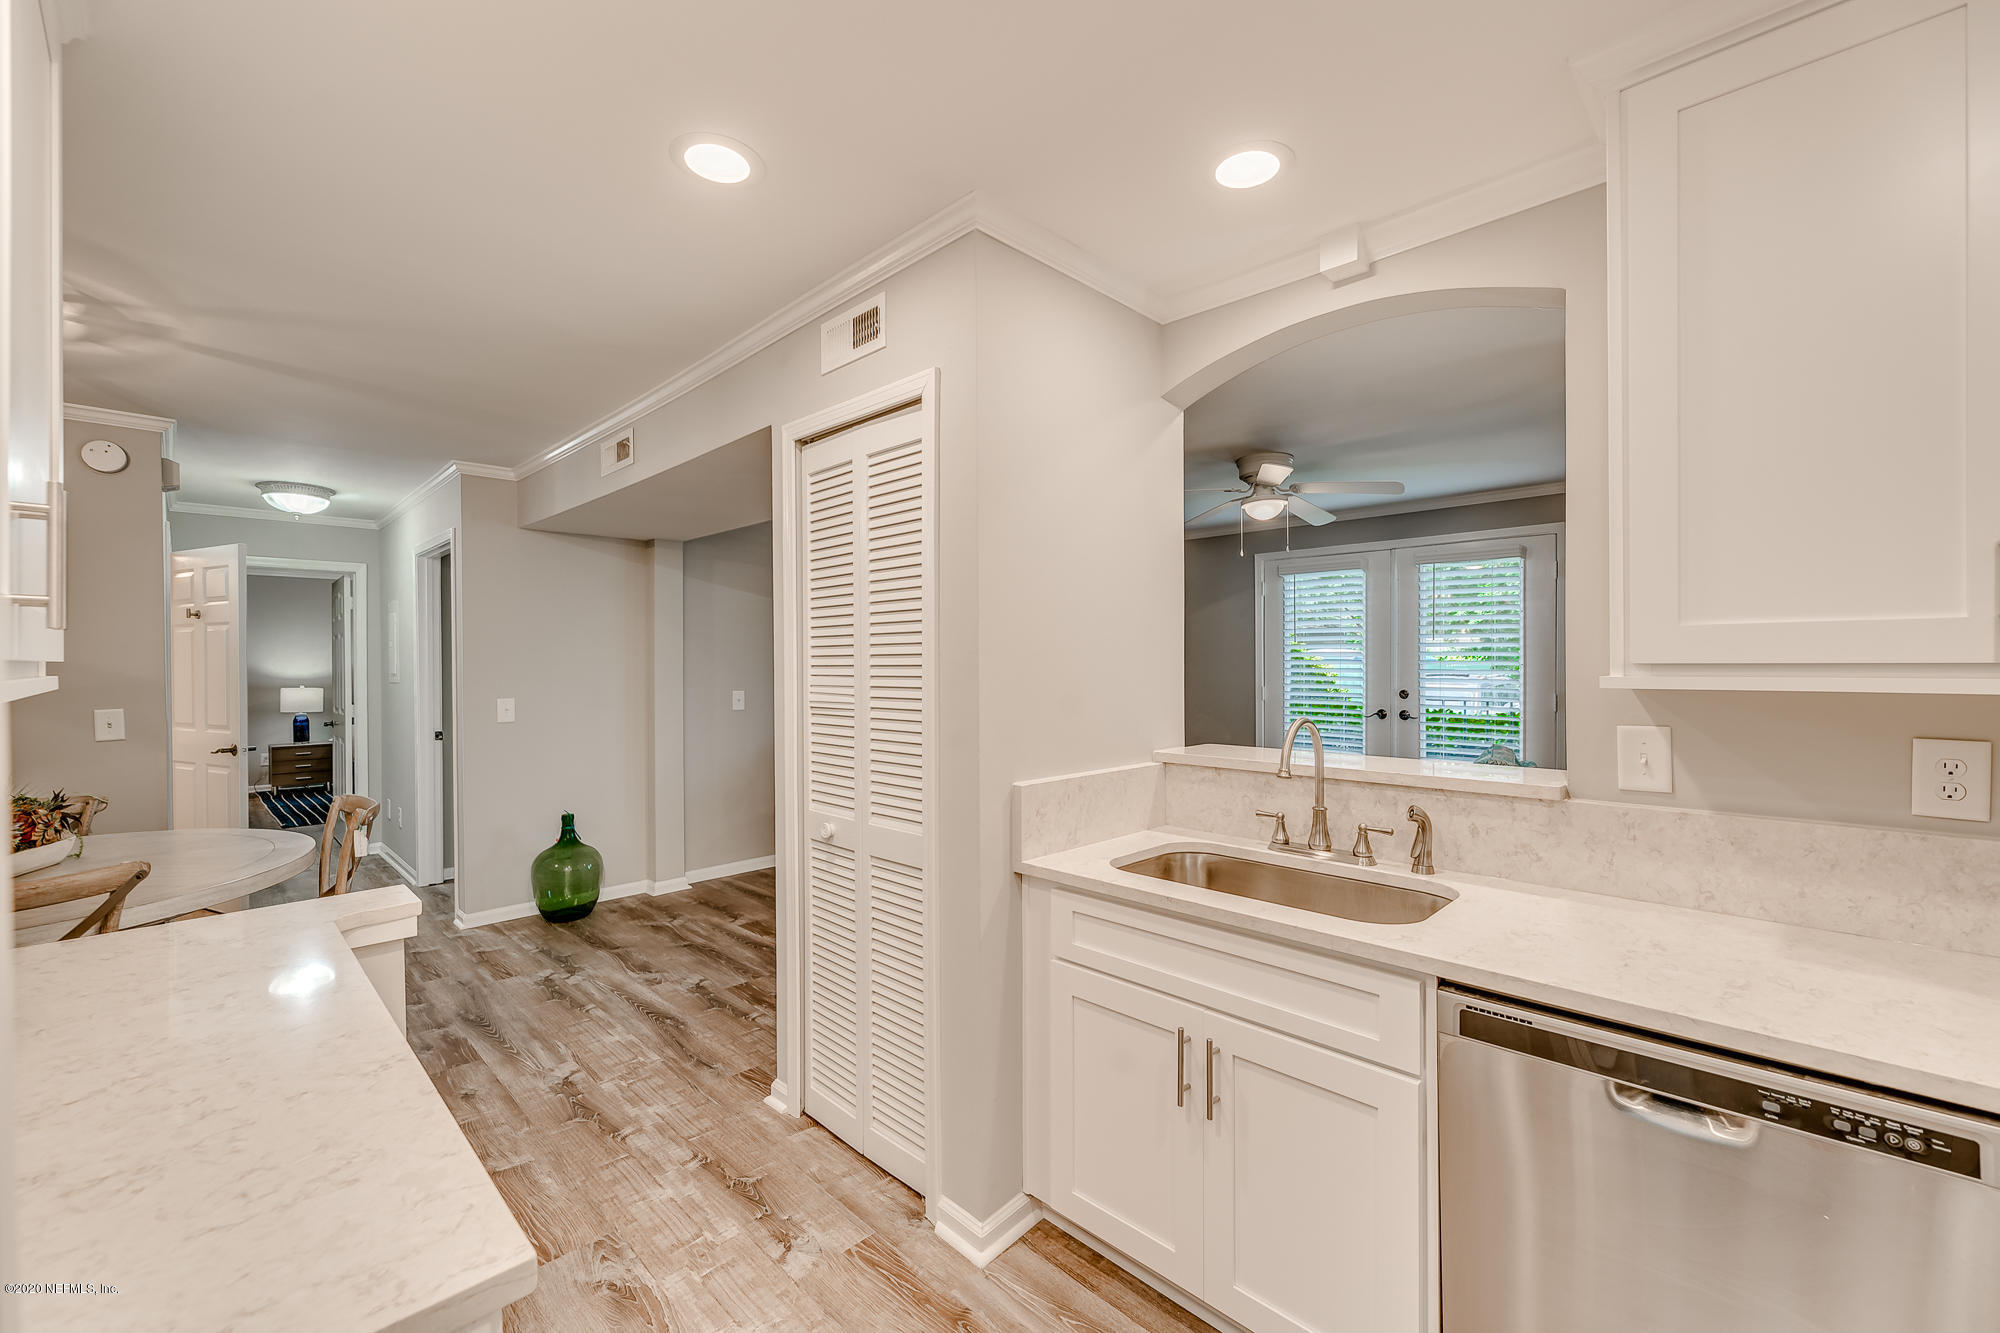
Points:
[(867, 543)]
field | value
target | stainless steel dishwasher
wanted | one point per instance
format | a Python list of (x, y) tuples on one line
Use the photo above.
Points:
[(1595, 1180)]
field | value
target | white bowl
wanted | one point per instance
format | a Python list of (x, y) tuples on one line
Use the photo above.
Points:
[(40, 858)]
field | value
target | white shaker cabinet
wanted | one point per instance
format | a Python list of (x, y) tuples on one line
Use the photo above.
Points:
[(34, 548), (1805, 321), (1125, 1094), (1314, 1198), (1188, 1108)]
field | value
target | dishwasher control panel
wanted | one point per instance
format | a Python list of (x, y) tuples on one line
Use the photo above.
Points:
[(1864, 1129), (1804, 1105)]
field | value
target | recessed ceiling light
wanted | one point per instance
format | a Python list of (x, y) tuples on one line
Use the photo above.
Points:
[(1252, 165), (295, 497), (715, 157)]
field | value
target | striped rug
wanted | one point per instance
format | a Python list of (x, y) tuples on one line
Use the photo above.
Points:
[(299, 806)]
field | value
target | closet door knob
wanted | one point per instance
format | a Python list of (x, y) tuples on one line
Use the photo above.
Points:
[(825, 833)]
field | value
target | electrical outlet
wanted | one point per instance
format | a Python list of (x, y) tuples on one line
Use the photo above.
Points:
[(503, 710), (1645, 759), (736, 700), (108, 724), (1951, 779)]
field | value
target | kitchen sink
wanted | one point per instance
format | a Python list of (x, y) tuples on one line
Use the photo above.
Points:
[(1312, 890)]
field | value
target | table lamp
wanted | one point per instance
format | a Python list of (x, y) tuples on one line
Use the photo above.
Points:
[(299, 700)]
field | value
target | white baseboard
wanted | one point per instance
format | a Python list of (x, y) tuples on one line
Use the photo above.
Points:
[(664, 886), (515, 911), (780, 1099), (377, 847), (731, 868), (984, 1241)]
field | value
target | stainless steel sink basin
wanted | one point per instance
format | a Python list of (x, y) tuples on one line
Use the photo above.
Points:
[(1293, 886)]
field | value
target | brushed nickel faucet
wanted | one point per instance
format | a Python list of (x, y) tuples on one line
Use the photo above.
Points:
[(1363, 854), (1318, 842), (1420, 849)]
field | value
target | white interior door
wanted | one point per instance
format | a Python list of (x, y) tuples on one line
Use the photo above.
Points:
[(210, 714), (866, 556), (340, 700)]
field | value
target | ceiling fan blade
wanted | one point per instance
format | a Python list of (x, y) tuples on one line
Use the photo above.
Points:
[(1210, 510), (1349, 488), (1217, 490), (1308, 511)]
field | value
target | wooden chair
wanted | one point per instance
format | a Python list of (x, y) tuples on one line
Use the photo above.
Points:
[(353, 815), (86, 808), (117, 881)]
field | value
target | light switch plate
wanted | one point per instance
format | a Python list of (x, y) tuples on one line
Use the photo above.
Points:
[(1951, 779), (736, 700), (108, 724), (504, 710), (1645, 759)]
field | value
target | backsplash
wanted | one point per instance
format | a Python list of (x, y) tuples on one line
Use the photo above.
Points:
[(1936, 889)]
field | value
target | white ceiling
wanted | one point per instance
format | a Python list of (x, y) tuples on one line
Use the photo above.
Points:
[(345, 243), (1447, 402)]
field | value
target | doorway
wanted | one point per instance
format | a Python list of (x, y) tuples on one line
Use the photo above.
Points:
[(306, 646), (436, 713)]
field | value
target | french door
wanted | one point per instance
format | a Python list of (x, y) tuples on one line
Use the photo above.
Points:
[(1434, 650), (865, 582)]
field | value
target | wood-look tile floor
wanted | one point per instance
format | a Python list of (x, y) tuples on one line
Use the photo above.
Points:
[(611, 1075)]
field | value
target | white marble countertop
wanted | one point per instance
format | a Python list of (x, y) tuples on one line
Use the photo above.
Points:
[(1901, 1016), (220, 1119), (1526, 784)]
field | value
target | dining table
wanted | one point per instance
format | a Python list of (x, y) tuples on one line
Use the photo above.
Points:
[(193, 868)]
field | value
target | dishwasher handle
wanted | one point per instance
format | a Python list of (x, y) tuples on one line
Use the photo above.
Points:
[(1683, 1118)]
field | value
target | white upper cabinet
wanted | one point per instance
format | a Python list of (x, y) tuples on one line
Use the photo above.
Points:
[(30, 170), (1805, 240)]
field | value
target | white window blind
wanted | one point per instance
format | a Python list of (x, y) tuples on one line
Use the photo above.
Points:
[(1471, 654), (1325, 674)]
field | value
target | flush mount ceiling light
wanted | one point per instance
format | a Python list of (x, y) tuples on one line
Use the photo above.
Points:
[(295, 497), (1252, 165), (718, 158)]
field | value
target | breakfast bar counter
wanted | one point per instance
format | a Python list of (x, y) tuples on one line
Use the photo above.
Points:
[(220, 1125)]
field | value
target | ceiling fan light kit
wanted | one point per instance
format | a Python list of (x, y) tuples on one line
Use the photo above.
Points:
[(1269, 492)]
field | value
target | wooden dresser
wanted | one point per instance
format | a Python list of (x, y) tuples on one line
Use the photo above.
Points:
[(302, 765)]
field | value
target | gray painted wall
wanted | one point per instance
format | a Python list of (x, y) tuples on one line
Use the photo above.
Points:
[(287, 640), (115, 646), (727, 645), (562, 625), (1222, 601), (299, 540)]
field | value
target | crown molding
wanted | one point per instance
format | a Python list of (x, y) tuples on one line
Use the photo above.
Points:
[(272, 515), (1538, 183), (1682, 33), (449, 472), (962, 217), (1565, 173), (108, 416)]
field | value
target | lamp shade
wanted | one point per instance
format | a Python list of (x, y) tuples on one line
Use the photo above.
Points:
[(301, 699)]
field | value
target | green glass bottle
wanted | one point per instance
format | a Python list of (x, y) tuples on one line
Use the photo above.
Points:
[(567, 876)]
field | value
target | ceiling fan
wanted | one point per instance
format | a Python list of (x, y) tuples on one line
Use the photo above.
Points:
[(1268, 490)]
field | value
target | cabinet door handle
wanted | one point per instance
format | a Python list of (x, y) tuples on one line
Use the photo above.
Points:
[(1181, 1085), (1212, 1097)]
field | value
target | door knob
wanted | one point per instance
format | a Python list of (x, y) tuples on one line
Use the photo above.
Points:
[(227, 749), (437, 735), (1406, 715), (1379, 714), (825, 833)]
